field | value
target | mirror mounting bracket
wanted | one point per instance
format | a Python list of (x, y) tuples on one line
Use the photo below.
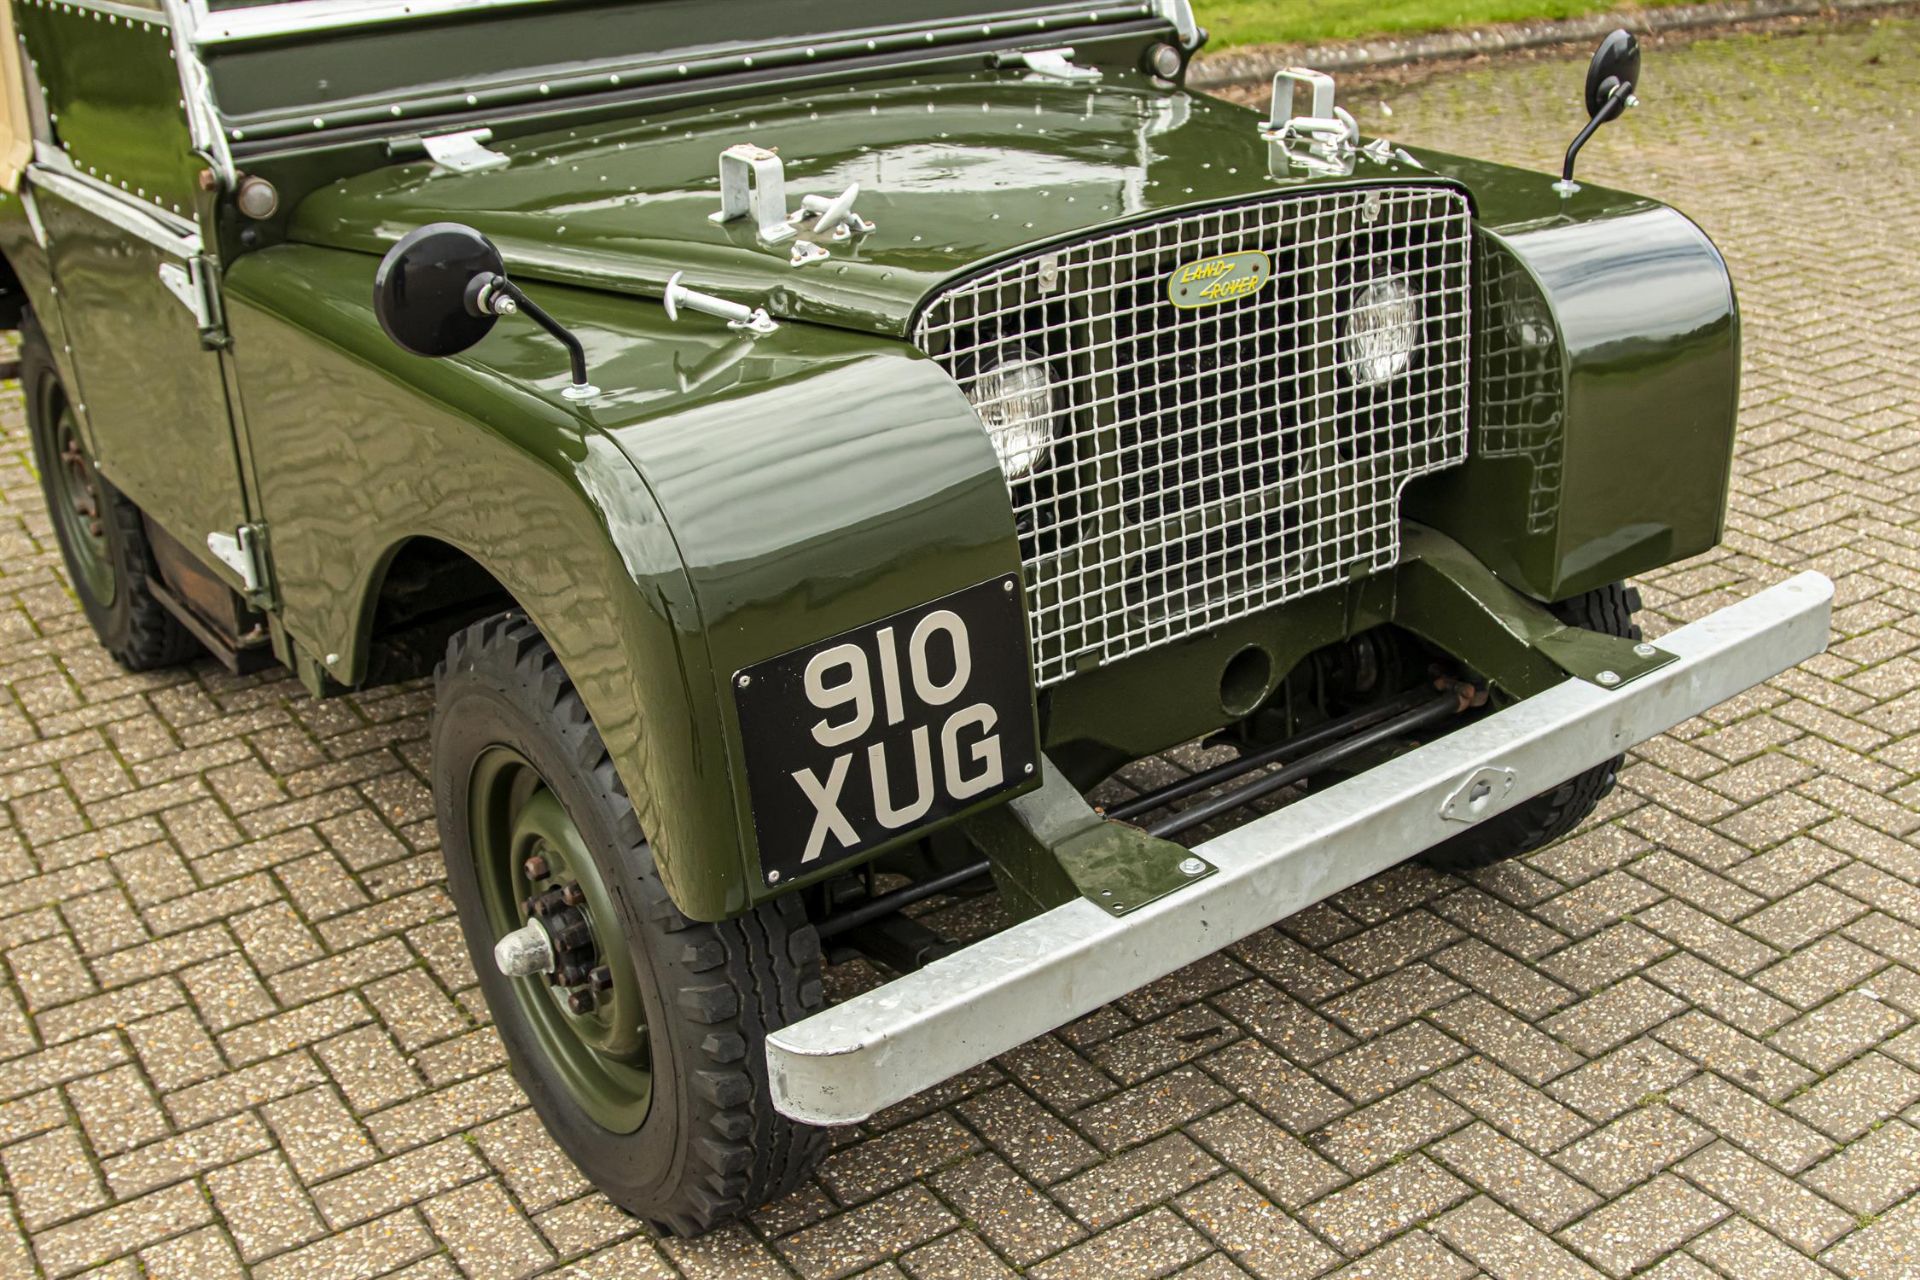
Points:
[(492, 294)]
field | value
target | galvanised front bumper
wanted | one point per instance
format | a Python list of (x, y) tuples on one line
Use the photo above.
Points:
[(847, 1062)]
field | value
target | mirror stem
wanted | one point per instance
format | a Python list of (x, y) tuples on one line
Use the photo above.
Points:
[(1616, 103), (502, 296)]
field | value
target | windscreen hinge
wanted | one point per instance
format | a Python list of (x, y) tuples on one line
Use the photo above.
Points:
[(1054, 64), (461, 152)]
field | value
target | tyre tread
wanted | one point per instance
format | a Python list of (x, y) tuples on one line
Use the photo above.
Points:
[(737, 979)]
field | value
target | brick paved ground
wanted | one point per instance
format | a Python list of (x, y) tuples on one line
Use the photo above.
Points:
[(237, 1029)]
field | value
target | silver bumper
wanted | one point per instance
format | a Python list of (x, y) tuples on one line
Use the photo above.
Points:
[(843, 1064)]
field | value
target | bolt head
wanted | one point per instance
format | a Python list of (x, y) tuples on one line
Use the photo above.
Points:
[(773, 877), (743, 681), (601, 978), (1608, 678), (581, 1002), (1165, 61), (535, 867), (1191, 866), (1645, 650)]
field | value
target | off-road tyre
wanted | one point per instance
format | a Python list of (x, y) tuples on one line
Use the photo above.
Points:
[(1538, 822), (133, 626), (711, 1147)]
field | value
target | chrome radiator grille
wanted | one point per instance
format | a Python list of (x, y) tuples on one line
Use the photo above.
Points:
[(1208, 463)]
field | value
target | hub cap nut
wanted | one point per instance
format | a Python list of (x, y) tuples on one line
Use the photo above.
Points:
[(525, 952)]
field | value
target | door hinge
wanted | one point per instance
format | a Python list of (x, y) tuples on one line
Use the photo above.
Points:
[(190, 282), (244, 552)]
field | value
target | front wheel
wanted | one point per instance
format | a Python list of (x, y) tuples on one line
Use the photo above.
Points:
[(1536, 823), (638, 1034)]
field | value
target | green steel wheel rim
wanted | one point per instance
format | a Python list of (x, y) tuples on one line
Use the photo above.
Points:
[(80, 509), (602, 1055)]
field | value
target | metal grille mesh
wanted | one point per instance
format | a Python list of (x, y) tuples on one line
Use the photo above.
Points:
[(1208, 463), (1518, 392)]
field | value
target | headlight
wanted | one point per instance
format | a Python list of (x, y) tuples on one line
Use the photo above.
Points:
[(1380, 329), (1014, 398)]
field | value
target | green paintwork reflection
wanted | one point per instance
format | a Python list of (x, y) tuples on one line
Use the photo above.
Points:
[(961, 169), (141, 366), (730, 498), (726, 501)]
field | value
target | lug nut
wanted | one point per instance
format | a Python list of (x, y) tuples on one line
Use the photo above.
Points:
[(581, 1002), (601, 978), (573, 895), (536, 868)]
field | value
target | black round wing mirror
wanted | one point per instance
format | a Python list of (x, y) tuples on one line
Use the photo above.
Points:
[(444, 286), (1611, 79), (1615, 63), (424, 291)]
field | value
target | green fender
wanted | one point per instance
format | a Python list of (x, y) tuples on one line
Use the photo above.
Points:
[(725, 500)]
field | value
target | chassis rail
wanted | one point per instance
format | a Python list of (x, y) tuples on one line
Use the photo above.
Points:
[(845, 1063)]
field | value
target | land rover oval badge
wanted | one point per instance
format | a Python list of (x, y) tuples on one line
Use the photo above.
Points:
[(1212, 281)]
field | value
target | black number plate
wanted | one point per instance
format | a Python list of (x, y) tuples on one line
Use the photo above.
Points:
[(887, 728)]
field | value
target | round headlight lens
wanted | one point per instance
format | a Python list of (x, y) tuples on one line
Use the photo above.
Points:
[(1380, 331), (1015, 400)]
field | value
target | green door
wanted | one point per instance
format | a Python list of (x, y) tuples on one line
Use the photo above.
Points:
[(114, 187)]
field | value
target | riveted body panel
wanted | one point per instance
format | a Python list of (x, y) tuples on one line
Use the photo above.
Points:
[(727, 496)]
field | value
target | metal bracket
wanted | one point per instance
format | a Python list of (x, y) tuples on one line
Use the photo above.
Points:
[(1121, 869), (1600, 659), (462, 153), (833, 219), (1180, 13), (180, 282), (1318, 83), (676, 297), (753, 182), (187, 282), (242, 552), (1323, 140), (1475, 798), (1057, 64), (806, 251), (32, 208), (1117, 867)]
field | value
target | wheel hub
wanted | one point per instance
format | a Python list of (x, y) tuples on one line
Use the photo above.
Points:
[(83, 495), (77, 502), (561, 913)]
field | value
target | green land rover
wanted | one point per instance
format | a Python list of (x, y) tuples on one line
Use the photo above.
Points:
[(811, 451)]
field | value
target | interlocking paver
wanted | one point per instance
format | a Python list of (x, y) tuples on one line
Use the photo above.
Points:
[(1644, 1225), (1256, 1233), (241, 1034)]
